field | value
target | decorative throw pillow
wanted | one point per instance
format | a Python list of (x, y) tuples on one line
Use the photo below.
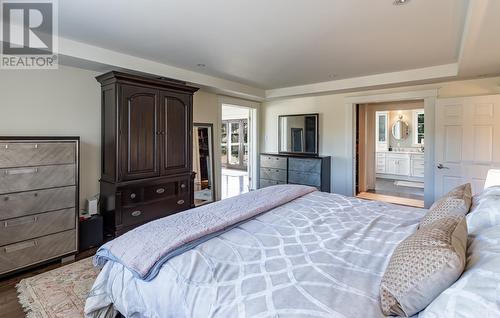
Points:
[(423, 266), (456, 202)]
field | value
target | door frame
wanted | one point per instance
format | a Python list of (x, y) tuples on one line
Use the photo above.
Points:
[(429, 97), (253, 141)]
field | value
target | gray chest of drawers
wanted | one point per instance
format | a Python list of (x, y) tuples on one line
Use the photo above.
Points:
[(38, 200), (286, 169)]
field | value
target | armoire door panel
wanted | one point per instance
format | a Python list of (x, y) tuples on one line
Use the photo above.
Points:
[(139, 133), (176, 133)]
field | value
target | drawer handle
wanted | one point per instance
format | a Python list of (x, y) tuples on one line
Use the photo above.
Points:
[(180, 202), (132, 196), (160, 190), (183, 186), (21, 171), (136, 213), (20, 246), (22, 222)]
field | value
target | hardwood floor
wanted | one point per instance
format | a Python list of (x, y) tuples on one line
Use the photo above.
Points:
[(391, 199), (9, 306)]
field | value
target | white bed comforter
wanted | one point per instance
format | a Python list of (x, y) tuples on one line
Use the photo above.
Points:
[(321, 255)]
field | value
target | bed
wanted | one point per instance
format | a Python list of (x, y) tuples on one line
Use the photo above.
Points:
[(316, 255)]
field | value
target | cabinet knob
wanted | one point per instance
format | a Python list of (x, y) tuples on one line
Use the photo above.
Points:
[(136, 213), (160, 190), (183, 185), (132, 196), (180, 202)]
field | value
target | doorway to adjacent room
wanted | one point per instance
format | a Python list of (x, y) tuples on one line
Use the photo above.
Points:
[(235, 150)]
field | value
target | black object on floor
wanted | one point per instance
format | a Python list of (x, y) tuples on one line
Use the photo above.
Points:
[(91, 233)]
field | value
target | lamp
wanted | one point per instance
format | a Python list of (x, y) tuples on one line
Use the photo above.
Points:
[(493, 178)]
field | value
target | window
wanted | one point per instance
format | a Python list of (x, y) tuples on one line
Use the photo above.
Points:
[(418, 126), (234, 143)]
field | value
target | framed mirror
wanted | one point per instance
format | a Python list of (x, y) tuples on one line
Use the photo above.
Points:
[(298, 134), (400, 129), (203, 163)]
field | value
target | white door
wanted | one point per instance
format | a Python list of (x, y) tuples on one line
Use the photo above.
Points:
[(467, 141)]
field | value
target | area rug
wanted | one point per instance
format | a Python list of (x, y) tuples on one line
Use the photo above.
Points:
[(58, 293), (410, 184)]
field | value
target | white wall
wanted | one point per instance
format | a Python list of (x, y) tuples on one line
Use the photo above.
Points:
[(334, 115), (234, 112), (64, 102), (206, 110), (67, 102)]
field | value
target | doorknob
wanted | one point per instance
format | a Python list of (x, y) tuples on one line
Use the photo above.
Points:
[(440, 166)]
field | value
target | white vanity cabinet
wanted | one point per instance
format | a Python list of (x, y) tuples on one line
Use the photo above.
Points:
[(417, 165), (382, 130), (400, 164), (380, 162), (397, 164)]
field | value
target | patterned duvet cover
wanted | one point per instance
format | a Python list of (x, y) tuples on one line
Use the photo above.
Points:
[(321, 255)]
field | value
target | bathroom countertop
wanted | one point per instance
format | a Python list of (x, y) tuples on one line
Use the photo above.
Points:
[(403, 152)]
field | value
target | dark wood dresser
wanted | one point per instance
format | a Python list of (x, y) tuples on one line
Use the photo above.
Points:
[(38, 200), (146, 163), (289, 169)]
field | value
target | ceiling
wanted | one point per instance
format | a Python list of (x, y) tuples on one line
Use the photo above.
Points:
[(264, 49), (273, 44)]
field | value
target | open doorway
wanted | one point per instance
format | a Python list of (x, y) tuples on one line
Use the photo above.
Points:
[(390, 151), (235, 150)]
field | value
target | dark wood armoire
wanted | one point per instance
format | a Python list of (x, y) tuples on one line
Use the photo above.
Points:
[(146, 167)]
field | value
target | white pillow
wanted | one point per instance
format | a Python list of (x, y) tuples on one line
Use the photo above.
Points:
[(485, 210), (493, 178)]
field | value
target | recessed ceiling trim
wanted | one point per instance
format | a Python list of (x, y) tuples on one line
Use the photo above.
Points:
[(421, 74), (115, 59)]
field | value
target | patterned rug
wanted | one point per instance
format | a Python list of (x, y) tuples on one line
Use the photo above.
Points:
[(58, 293)]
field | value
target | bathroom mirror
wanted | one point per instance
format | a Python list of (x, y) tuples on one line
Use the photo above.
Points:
[(400, 130), (203, 164)]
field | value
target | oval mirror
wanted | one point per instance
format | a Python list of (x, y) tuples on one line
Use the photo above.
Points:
[(400, 130)]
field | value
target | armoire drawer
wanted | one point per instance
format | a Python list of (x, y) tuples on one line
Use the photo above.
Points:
[(267, 183), (26, 203), (18, 255), (273, 174), (304, 165), (28, 227), (31, 178), (306, 178), (22, 154), (147, 212), (276, 162), (139, 194)]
